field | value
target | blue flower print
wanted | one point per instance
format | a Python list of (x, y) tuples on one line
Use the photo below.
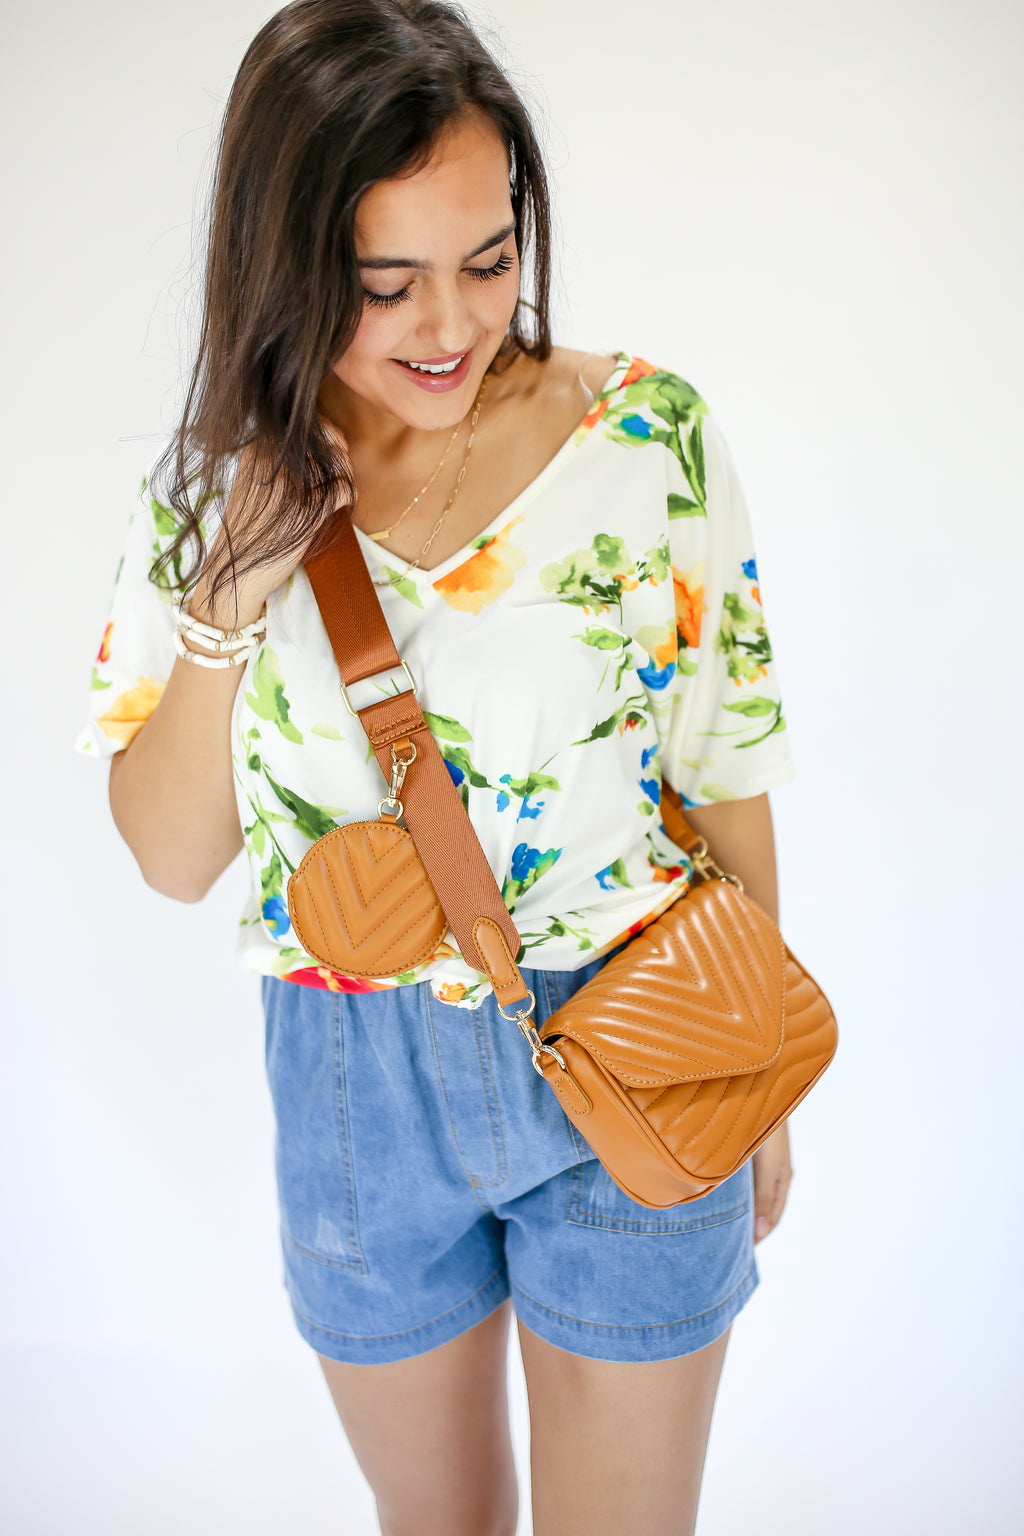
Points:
[(636, 426), (457, 774), (527, 812), (652, 789), (275, 915), (654, 677), (750, 569), (524, 860), (612, 875), (648, 755), (527, 866)]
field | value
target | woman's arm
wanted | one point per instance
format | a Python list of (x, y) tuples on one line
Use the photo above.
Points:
[(172, 791), (742, 842), (740, 836)]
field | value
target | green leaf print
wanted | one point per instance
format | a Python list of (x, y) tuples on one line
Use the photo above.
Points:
[(269, 701), (403, 585), (534, 782), (672, 398), (164, 520), (313, 821), (668, 399), (695, 443), (271, 878), (633, 713), (743, 639), (758, 705), (611, 553), (655, 563), (97, 683), (716, 793), (603, 639), (755, 708), (288, 958), (558, 928), (778, 724), (460, 759), (445, 727), (328, 732), (682, 506), (592, 579)]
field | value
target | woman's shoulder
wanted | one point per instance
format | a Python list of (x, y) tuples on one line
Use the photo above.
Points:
[(621, 377)]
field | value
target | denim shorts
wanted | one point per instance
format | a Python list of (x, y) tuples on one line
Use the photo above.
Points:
[(426, 1171)]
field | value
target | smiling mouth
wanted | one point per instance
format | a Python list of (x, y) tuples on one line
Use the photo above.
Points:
[(432, 367)]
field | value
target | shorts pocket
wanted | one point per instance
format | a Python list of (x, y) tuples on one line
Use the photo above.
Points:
[(595, 1200), (313, 1148)]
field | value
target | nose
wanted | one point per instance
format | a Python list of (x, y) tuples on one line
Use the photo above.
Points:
[(446, 325)]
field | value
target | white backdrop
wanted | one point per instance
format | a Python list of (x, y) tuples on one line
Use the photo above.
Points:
[(813, 211)]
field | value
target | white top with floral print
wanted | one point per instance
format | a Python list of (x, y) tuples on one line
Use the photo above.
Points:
[(604, 629)]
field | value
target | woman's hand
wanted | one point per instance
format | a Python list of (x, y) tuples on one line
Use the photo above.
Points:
[(243, 603), (772, 1174)]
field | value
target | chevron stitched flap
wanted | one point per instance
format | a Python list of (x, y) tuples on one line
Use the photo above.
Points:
[(700, 993)]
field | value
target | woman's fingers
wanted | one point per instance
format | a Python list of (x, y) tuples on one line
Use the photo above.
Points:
[(773, 1171)]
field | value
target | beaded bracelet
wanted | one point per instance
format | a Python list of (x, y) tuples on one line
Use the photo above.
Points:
[(237, 658), (219, 639)]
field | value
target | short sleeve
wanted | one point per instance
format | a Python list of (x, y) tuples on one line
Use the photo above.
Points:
[(136, 653), (725, 735)]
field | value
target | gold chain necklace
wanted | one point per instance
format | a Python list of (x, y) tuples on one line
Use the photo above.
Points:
[(385, 533), (412, 566)]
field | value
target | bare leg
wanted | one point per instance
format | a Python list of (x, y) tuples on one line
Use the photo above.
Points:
[(617, 1447), (432, 1435)]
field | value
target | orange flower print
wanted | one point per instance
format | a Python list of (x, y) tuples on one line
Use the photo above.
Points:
[(690, 607), (103, 654), (591, 419), (482, 578), (638, 369), (129, 712), (451, 991)]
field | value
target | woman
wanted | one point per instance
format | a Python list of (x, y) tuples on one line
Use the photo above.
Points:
[(564, 558)]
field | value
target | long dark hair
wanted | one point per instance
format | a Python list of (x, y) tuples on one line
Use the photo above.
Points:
[(331, 97)]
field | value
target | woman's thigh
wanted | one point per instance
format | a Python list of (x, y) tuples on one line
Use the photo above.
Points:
[(431, 1434), (617, 1446)]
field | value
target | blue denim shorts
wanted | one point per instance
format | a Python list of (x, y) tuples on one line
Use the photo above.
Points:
[(426, 1171)]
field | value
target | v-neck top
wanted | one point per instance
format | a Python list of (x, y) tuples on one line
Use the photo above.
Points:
[(605, 629)]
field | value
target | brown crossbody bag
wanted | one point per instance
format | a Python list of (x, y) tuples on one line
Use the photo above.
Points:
[(684, 1053)]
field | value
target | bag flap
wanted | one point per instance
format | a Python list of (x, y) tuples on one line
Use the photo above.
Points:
[(700, 993)]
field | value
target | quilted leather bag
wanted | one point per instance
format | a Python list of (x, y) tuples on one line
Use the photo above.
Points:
[(361, 901), (693, 1044), (685, 1052)]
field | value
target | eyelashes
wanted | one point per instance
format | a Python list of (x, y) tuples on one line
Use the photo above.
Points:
[(482, 275)]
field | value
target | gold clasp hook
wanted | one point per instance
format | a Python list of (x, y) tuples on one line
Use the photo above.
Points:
[(704, 864), (529, 1029), (399, 768)]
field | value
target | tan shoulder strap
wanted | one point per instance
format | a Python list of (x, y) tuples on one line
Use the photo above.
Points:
[(434, 813)]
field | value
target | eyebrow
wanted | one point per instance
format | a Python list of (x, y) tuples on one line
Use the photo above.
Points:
[(380, 263)]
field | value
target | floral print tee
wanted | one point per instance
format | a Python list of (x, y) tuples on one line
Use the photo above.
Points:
[(605, 629)]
